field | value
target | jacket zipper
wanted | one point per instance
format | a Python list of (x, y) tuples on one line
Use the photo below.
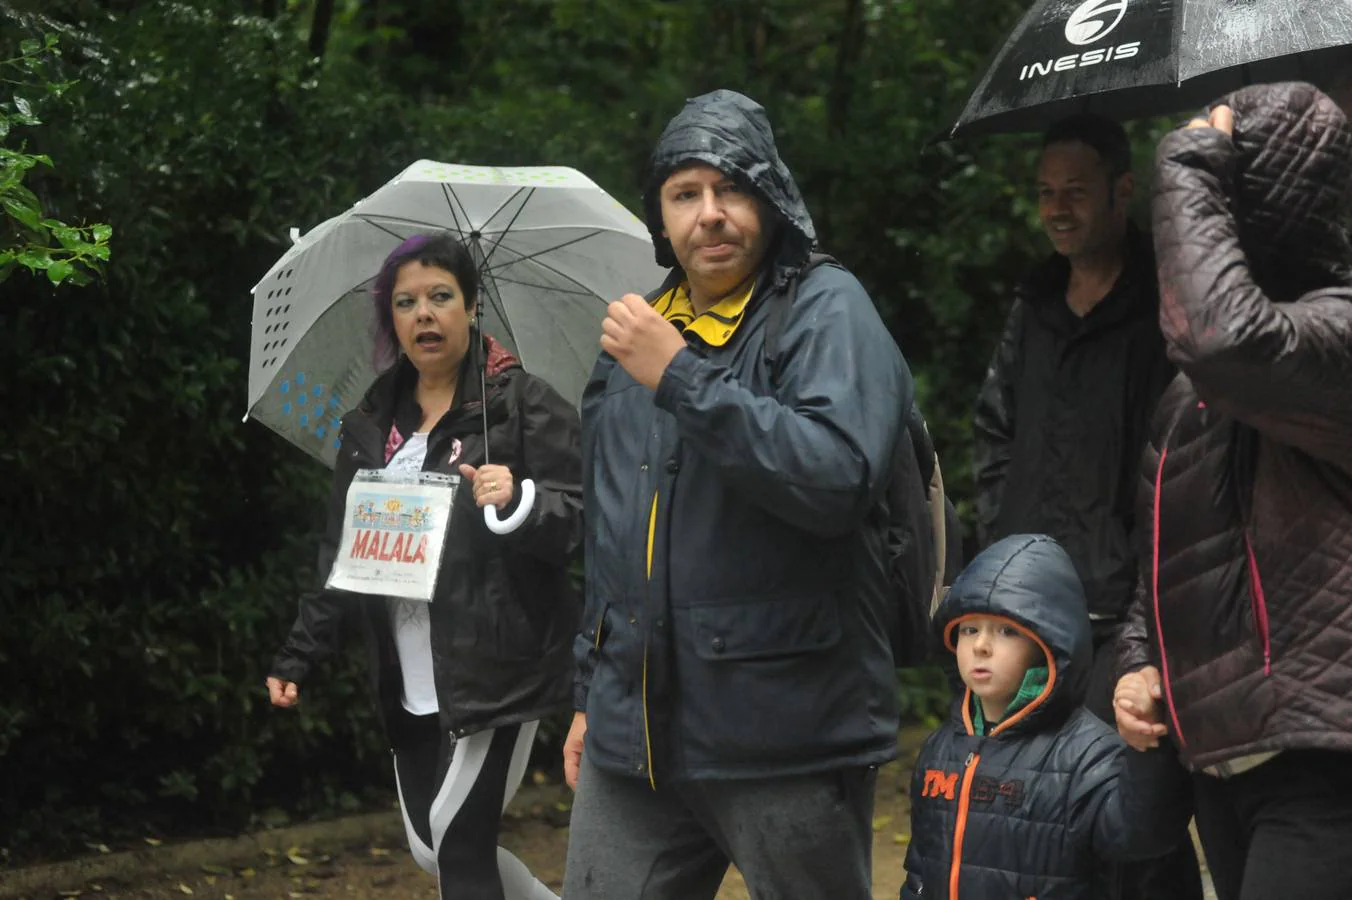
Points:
[(960, 830), (1260, 611), (1155, 591), (647, 734)]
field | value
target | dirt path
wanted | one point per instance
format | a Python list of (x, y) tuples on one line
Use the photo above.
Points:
[(535, 829)]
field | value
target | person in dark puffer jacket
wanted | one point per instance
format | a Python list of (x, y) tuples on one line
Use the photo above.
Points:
[(1023, 791), (1238, 643)]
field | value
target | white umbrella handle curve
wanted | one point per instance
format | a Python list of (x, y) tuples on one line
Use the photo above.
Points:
[(512, 522)]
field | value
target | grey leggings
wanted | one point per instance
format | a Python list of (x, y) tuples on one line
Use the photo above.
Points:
[(791, 837)]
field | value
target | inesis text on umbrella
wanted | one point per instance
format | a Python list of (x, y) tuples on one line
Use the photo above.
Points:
[(1089, 23), (1079, 60)]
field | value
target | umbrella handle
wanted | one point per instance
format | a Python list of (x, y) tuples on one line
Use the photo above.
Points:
[(512, 522)]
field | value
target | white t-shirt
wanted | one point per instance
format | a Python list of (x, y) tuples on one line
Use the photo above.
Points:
[(409, 618)]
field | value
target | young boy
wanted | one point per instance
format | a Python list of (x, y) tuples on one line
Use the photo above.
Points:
[(1022, 790)]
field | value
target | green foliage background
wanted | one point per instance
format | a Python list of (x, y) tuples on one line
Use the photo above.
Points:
[(155, 544)]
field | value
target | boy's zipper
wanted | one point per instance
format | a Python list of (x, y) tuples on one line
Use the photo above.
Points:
[(960, 830)]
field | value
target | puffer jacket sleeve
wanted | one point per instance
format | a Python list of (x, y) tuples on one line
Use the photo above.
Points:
[(819, 452), (549, 438), (1282, 369), (1133, 640), (993, 426), (584, 645), (1132, 805), (316, 633)]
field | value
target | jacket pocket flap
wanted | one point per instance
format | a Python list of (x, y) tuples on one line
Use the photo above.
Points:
[(597, 632), (763, 629)]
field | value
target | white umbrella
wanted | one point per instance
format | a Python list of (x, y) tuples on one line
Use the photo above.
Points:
[(553, 248)]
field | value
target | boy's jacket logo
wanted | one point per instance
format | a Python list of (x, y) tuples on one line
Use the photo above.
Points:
[(985, 789), (938, 782)]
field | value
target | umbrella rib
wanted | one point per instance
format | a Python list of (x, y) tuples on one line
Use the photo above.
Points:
[(491, 291), (609, 229), (376, 222), (503, 205), (541, 287), (371, 218), (565, 276), (562, 333), (451, 201), (495, 298), (520, 209), (531, 256), (391, 232)]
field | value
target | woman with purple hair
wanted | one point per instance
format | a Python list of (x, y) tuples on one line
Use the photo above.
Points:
[(463, 681)]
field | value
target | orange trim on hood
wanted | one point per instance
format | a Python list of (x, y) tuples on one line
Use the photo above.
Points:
[(1041, 698), (967, 713)]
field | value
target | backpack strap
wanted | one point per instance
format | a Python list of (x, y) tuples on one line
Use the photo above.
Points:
[(780, 307), (939, 522)]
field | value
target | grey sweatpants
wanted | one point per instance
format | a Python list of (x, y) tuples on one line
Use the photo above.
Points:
[(803, 836)]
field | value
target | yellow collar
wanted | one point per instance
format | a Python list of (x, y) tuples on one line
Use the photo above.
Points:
[(716, 325)]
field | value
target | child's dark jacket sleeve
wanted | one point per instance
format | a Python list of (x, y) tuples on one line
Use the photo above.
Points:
[(1132, 804)]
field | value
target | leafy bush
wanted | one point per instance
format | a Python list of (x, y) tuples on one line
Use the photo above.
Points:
[(34, 241)]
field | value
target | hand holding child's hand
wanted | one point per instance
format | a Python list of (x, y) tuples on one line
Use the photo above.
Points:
[(1136, 704)]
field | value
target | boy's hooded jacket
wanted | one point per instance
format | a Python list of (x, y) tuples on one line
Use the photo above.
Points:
[(1024, 811)]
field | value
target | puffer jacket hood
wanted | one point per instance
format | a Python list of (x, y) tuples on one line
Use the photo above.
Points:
[(732, 133), (1030, 580), (1293, 187)]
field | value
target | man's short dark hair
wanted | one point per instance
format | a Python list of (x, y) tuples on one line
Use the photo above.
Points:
[(1106, 137)]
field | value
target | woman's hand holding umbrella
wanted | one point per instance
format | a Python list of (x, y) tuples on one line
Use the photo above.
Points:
[(492, 484)]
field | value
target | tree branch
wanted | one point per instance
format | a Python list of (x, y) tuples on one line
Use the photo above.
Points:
[(319, 28)]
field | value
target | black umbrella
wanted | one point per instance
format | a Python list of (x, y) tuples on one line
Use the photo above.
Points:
[(1133, 58)]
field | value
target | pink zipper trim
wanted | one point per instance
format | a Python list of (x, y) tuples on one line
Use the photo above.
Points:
[(1260, 612), (1155, 590)]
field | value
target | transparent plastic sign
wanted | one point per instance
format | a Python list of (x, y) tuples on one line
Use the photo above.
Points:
[(394, 531)]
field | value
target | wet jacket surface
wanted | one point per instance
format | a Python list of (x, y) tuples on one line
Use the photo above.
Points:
[(1246, 486), (1063, 416), (737, 596), (1025, 810), (504, 615)]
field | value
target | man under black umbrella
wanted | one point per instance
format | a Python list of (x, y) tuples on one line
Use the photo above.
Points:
[(1063, 415)]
